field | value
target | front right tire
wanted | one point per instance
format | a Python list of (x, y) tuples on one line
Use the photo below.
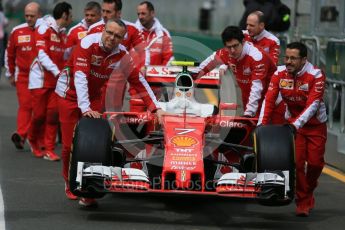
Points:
[(275, 151)]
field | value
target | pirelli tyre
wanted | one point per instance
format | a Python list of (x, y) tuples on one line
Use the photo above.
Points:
[(275, 152), (92, 143)]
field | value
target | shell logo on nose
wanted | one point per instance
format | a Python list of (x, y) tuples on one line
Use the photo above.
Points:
[(183, 141)]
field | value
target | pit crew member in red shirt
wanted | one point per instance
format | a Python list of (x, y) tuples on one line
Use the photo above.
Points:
[(260, 37), (19, 55), (50, 47), (302, 87), (158, 45), (97, 58), (267, 41), (133, 40), (92, 14), (251, 66), (111, 9)]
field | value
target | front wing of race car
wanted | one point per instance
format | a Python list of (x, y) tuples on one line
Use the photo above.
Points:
[(105, 179)]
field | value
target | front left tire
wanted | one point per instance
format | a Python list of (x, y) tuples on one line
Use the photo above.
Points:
[(92, 143)]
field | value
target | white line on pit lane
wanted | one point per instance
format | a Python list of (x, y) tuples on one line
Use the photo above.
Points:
[(2, 212)]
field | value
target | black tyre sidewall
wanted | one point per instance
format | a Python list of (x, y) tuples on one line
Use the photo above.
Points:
[(92, 143), (275, 150)]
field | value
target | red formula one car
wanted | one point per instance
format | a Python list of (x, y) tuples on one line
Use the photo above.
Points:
[(201, 147)]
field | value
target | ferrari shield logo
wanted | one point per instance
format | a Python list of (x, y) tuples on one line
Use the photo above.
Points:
[(304, 87), (114, 65)]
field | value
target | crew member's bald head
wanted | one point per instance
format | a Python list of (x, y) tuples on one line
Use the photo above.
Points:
[(32, 12), (33, 6), (255, 23)]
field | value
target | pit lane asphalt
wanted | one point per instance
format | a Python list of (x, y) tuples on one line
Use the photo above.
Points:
[(33, 194)]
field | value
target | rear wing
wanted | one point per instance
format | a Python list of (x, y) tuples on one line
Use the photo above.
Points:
[(165, 75)]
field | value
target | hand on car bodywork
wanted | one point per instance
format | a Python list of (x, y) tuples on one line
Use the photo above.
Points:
[(143, 70), (160, 113), (222, 72), (92, 113)]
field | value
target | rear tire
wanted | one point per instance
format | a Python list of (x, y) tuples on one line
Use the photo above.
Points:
[(275, 151), (92, 143)]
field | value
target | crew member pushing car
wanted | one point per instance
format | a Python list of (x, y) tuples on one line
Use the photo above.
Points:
[(97, 58), (133, 40), (269, 43), (251, 66), (302, 87)]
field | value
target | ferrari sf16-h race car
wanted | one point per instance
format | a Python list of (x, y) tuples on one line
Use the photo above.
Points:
[(201, 147)]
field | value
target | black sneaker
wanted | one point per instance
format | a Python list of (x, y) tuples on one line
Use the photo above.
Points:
[(18, 141)]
